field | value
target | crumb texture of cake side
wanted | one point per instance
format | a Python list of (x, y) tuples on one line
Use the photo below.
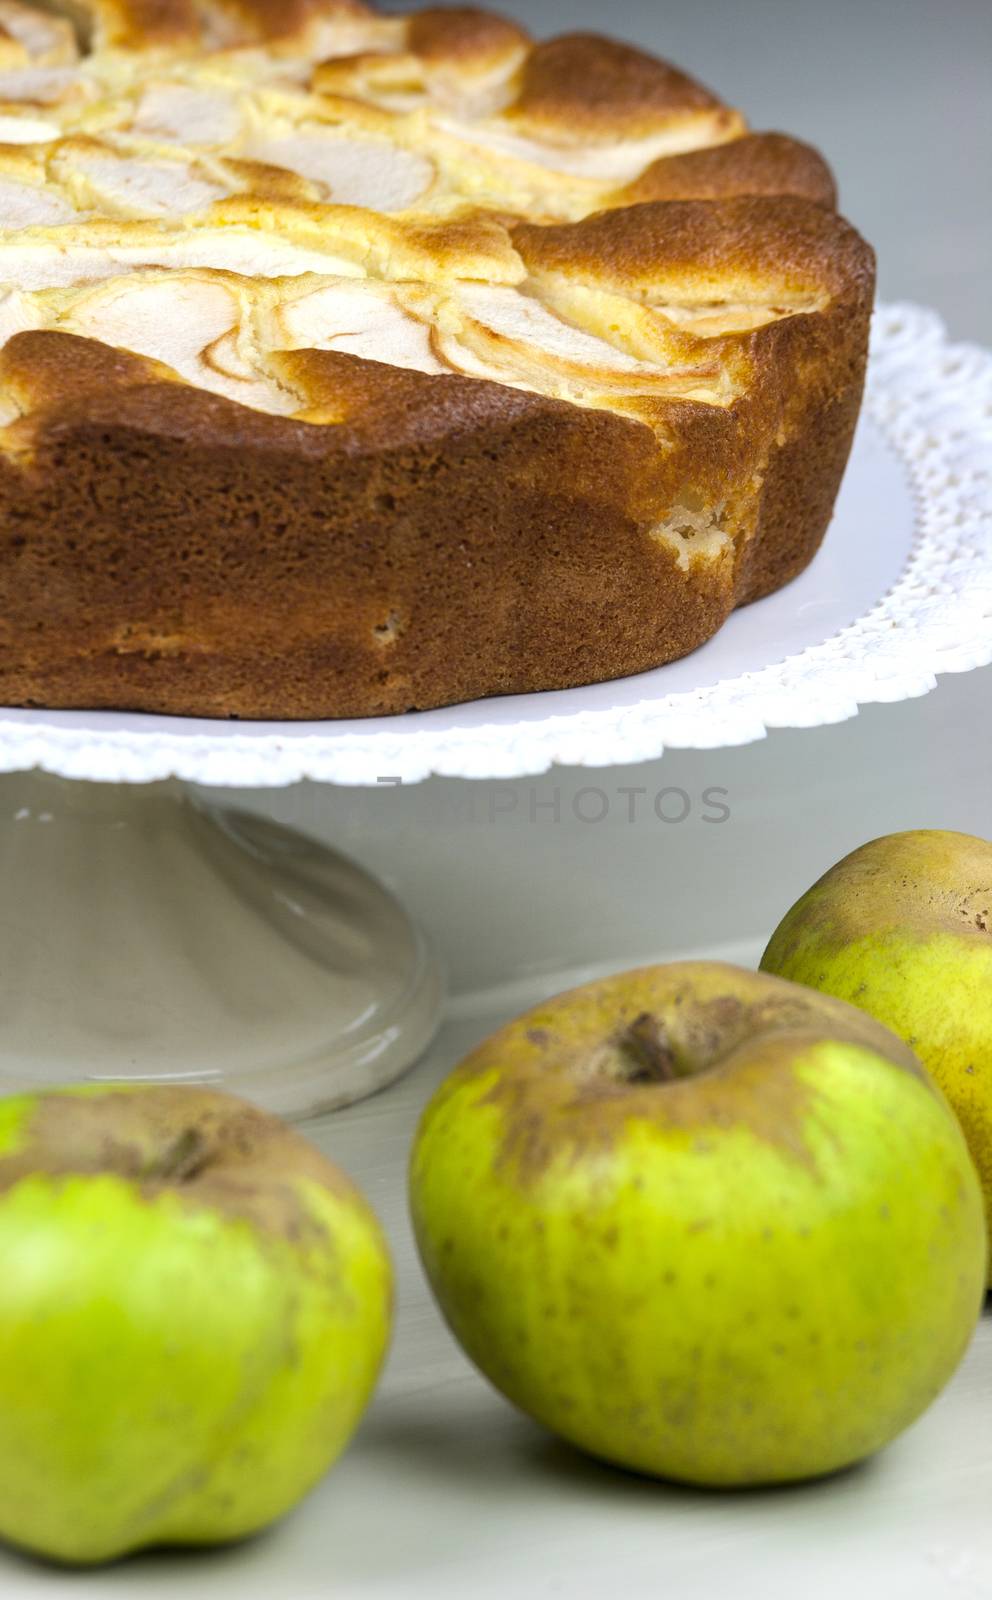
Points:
[(352, 364)]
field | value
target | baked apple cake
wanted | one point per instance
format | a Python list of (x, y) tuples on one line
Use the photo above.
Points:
[(356, 363)]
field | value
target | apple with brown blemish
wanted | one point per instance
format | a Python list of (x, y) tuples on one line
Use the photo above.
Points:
[(902, 928), (194, 1306), (703, 1223)]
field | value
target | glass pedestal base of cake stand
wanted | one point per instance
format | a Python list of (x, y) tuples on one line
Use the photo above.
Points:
[(146, 936)]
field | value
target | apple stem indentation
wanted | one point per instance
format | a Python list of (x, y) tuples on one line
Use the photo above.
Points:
[(184, 1158), (645, 1045)]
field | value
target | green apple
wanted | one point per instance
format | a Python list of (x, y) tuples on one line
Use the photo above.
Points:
[(194, 1305), (703, 1223), (903, 929)]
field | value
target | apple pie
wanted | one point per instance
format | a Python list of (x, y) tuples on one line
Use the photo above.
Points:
[(353, 364)]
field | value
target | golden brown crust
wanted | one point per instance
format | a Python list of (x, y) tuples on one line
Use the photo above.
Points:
[(185, 24), (759, 163), (270, 21), (588, 441), (772, 246), (602, 88), (463, 35), (144, 24)]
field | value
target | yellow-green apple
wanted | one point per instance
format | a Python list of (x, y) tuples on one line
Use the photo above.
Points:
[(194, 1305), (902, 927), (703, 1223)]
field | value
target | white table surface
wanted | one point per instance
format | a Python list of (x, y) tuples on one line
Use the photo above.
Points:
[(448, 1494)]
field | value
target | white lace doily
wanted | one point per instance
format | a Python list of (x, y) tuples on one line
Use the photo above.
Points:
[(901, 591)]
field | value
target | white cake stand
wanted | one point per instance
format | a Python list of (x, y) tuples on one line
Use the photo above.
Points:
[(146, 935)]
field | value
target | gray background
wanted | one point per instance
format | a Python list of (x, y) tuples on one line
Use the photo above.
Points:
[(898, 94)]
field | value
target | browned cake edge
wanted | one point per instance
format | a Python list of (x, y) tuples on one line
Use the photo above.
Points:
[(171, 551)]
